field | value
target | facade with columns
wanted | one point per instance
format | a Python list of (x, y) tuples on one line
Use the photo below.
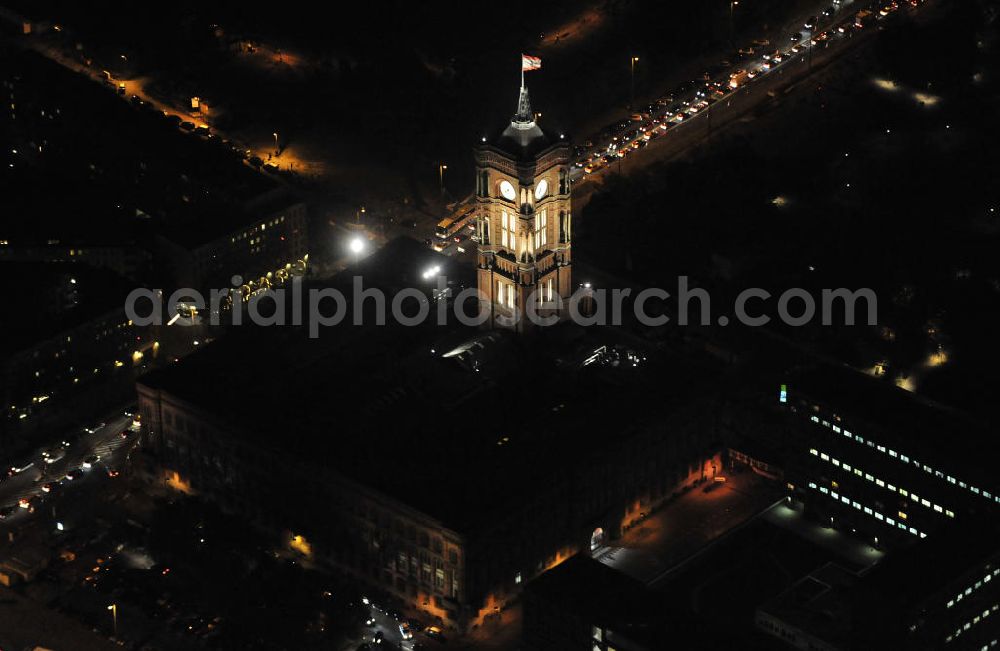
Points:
[(524, 222)]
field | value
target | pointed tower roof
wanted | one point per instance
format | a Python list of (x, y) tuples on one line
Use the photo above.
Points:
[(523, 138), (523, 116)]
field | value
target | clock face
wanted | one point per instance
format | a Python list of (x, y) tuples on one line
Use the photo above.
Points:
[(541, 189), (507, 190)]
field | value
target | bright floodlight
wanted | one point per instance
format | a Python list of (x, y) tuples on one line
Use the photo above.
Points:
[(433, 271), (357, 245)]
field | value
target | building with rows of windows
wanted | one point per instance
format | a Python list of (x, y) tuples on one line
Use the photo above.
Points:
[(881, 460)]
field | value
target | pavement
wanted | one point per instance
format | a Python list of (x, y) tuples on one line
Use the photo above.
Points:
[(858, 553), (25, 624), (686, 526)]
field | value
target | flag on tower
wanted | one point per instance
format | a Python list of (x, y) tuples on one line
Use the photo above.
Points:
[(529, 63)]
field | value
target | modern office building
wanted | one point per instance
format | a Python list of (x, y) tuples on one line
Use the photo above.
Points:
[(940, 593), (880, 460)]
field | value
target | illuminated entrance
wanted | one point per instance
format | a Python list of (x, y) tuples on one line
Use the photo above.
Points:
[(596, 539)]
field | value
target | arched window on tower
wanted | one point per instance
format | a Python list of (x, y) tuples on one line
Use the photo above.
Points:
[(484, 184), (562, 227), (563, 182)]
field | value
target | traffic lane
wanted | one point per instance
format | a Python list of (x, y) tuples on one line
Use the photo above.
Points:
[(736, 105), (104, 442), (392, 637), (106, 437), (829, 37), (387, 625)]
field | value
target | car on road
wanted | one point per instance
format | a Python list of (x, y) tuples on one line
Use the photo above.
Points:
[(7, 511), (51, 486), (17, 469), (405, 631), (810, 23), (54, 454), (90, 461), (76, 473), (29, 502), (435, 633), (187, 125)]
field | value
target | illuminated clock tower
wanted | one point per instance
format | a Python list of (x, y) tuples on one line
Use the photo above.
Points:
[(523, 222)]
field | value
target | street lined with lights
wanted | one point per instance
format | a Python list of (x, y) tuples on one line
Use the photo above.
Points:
[(676, 109)]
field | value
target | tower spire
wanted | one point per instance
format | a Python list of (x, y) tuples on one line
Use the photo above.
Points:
[(524, 118)]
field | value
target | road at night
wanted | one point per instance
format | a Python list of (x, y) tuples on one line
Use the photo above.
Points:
[(105, 442)]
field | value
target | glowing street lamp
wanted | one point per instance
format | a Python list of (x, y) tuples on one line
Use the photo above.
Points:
[(357, 245), (732, 4), (275, 134), (114, 615), (441, 169), (632, 61)]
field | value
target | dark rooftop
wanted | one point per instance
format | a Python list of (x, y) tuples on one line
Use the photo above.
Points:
[(602, 595), (356, 391), (49, 298), (854, 611), (915, 424), (135, 171)]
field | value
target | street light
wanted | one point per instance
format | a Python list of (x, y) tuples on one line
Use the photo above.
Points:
[(357, 245), (732, 4), (114, 616), (632, 61), (357, 214), (275, 134), (441, 169)]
